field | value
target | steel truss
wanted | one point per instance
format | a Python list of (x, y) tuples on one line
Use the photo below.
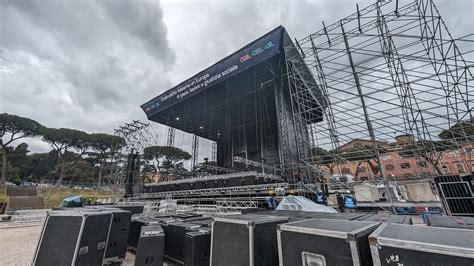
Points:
[(211, 191), (386, 70)]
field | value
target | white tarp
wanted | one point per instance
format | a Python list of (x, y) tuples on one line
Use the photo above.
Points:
[(298, 203)]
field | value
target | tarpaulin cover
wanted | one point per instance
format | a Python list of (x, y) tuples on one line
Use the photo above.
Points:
[(299, 203)]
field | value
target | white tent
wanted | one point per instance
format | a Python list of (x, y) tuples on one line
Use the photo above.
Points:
[(298, 203)]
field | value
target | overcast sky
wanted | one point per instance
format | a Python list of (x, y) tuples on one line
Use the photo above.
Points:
[(89, 65)]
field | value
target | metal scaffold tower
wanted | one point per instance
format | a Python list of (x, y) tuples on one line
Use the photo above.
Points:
[(387, 70), (137, 135)]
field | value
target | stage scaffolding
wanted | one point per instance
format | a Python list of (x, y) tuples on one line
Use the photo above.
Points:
[(386, 70)]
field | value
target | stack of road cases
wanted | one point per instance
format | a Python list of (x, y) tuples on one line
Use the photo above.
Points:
[(397, 244), (73, 238), (136, 228), (325, 242), (175, 239), (245, 240)]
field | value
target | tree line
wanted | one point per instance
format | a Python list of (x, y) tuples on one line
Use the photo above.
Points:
[(75, 155)]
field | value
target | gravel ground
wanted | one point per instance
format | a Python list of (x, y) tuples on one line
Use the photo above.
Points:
[(18, 246)]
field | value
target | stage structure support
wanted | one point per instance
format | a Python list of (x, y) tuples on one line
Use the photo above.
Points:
[(195, 151), (171, 137), (385, 71)]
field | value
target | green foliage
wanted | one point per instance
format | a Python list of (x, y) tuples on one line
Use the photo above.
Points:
[(461, 131), (18, 127), (364, 153), (104, 142), (321, 156), (78, 171), (426, 147), (62, 139), (17, 156), (74, 156), (41, 165), (170, 156)]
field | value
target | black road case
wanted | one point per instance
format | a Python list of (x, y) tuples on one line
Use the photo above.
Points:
[(397, 244), (136, 228), (197, 248), (116, 248), (245, 240), (73, 238), (150, 246), (451, 221), (174, 242), (325, 242)]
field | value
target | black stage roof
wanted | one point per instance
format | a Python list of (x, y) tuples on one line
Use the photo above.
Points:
[(253, 53), (187, 105), (239, 89)]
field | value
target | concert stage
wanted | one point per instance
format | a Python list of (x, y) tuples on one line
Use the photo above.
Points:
[(243, 103)]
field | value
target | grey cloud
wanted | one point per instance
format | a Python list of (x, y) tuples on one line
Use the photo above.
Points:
[(143, 20), (73, 64)]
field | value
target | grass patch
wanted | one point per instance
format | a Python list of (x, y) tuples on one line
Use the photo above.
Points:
[(3, 192), (53, 196)]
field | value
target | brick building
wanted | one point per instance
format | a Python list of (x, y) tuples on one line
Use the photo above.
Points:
[(395, 167)]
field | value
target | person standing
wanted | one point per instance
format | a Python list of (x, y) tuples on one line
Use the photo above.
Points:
[(340, 201)]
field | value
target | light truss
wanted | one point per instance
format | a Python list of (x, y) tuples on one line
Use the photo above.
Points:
[(211, 191)]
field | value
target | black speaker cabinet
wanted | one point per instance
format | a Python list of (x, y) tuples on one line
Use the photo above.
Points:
[(136, 228), (116, 247), (174, 242), (151, 246), (73, 238), (248, 239), (197, 248), (325, 242), (118, 236), (451, 221), (397, 244)]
